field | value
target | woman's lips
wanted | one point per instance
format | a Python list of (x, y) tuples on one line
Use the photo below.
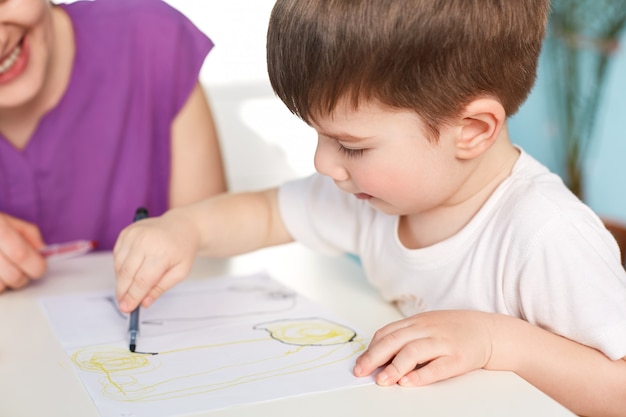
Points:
[(16, 64)]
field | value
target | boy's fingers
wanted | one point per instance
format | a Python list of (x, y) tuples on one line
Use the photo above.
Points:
[(411, 356), (171, 277), (388, 347), (374, 357), (439, 369), (147, 276), (125, 270), (393, 327)]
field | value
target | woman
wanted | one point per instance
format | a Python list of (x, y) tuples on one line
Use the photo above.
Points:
[(101, 112)]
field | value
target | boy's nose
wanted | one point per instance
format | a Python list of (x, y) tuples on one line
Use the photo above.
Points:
[(328, 161)]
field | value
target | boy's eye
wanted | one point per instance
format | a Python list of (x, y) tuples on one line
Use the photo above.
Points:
[(352, 153)]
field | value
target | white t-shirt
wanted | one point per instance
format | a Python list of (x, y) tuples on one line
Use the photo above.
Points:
[(533, 251)]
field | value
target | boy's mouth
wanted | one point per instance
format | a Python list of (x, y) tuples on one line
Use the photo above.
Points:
[(363, 196)]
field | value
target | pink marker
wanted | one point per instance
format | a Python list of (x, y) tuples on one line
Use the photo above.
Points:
[(67, 249)]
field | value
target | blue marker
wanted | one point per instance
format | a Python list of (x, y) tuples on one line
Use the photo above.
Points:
[(133, 325)]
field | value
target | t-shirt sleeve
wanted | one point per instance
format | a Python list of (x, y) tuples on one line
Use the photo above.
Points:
[(319, 215), (570, 284), (172, 51)]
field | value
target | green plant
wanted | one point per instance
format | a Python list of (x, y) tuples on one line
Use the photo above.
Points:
[(583, 35)]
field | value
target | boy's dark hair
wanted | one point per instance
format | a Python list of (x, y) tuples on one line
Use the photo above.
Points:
[(431, 56)]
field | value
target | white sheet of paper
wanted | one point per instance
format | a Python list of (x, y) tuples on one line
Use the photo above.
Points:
[(207, 345)]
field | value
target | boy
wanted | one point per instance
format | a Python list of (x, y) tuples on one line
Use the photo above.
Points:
[(493, 261)]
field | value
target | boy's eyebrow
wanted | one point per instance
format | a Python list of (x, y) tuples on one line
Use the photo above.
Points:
[(344, 137)]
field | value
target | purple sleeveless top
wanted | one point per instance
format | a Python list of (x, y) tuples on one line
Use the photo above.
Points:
[(104, 150)]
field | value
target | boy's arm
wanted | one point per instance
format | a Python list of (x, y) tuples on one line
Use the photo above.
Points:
[(452, 343), (579, 377), (154, 254)]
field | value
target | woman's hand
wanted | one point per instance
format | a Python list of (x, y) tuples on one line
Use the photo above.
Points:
[(20, 260)]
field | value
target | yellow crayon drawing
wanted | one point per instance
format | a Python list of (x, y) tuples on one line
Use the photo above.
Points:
[(215, 343), (299, 345)]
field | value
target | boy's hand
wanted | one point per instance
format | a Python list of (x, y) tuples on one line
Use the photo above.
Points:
[(151, 256), (429, 347), (20, 260)]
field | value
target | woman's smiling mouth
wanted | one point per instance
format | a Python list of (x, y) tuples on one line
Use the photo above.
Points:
[(14, 62)]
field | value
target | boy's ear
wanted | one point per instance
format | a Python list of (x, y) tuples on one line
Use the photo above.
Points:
[(482, 121)]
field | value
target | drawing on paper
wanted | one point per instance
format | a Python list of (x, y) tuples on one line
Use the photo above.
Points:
[(306, 344), (215, 343)]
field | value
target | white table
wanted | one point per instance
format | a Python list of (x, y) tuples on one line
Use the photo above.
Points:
[(37, 377)]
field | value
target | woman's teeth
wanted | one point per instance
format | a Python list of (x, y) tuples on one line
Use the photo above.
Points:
[(8, 62)]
